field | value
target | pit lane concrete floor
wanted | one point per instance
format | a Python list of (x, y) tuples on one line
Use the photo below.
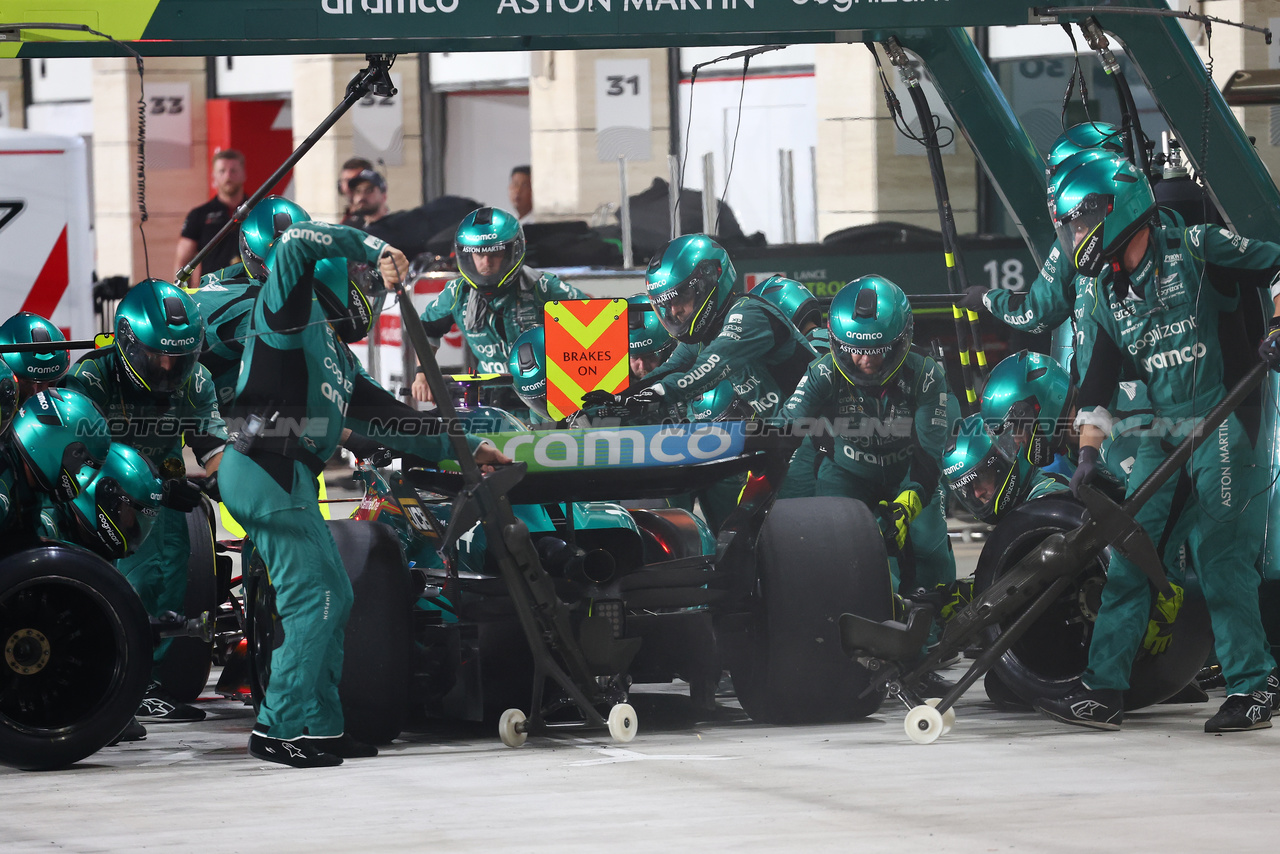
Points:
[(1000, 781)]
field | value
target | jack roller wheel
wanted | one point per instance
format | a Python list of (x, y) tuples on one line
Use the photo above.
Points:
[(923, 725), (623, 723), (511, 728), (948, 717)]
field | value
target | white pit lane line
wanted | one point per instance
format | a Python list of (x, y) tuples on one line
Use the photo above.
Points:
[(613, 755)]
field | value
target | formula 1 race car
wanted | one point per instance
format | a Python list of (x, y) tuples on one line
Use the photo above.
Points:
[(649, 594)]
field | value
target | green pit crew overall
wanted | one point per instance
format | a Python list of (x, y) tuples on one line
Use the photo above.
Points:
[(156, 426), (491, 324), (295, 365), (885, 440), (25, 514), (761, 353), (226, 304), (1170, 337), (1053, 299)]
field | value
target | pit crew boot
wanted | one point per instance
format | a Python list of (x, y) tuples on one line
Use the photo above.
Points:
[(296, 753), (1242, 712), (133, 731), (343, 746), (932, 685), (157, 708), (1085, 707)]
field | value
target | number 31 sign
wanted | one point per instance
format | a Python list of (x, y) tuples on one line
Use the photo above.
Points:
[(624, 109)]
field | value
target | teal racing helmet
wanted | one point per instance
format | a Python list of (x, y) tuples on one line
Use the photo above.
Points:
[(984, 471), (159, 333), (1029, 396), (9, 397), (798, 302), (492, 239), (117, 504), (719, 403), (645, 333), (56, 433), (528, 367), (1079, 159), (1097, 207), (351, 295), (870, 316), (1086, 136), (690, 284), (269, 219), (34, 370)]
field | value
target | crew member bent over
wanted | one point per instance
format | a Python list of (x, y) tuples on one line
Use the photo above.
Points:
[(295, 365)]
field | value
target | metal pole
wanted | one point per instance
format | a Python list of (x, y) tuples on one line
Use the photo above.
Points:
[(813, 176), (709, 193), (377, 76), (624, 211), (673, 194), (787, 190)]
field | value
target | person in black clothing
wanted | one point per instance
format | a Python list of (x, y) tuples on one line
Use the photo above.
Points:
[(203, 222), (368, 193)]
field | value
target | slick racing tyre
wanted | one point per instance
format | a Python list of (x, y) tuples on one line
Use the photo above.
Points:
[(184, 672), (378, 641), (76, 647), (1048, 660), (817, 558), (377, 652)]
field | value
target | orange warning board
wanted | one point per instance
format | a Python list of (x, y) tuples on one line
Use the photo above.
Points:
[(587, 347)]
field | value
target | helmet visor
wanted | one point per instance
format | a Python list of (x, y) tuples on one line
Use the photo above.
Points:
[(680, 308), (488, 268), (151, 369), (1081, 234), (353, 317), (120, 522), (871, 366), (984, 488), (9, 399)]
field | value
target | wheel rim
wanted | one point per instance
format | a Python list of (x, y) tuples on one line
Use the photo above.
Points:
[(64, 654), (1056, 646), (266, 637)]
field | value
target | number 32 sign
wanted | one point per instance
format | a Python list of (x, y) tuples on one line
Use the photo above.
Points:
[(624, 109)]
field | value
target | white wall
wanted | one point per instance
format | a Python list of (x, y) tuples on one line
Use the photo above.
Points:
[(451, 71), (789, 57), (61, 80), (253, 75), (485, 135), (777, 113)]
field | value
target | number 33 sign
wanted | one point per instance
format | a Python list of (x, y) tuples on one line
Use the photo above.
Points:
[(168, 125)]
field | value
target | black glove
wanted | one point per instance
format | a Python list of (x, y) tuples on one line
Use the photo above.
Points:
[(600, 397), (1086, 469), (181, 494), (972, 298), (208, 485), (1269, 349)]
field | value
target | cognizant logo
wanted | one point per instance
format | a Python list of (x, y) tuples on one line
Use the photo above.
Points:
[(1159, 332), (1176, 356)]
